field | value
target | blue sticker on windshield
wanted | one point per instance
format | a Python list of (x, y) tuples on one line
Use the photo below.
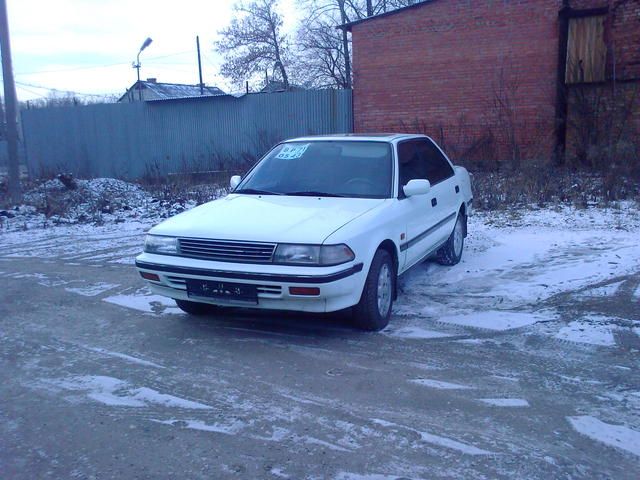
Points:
[(290, 152)]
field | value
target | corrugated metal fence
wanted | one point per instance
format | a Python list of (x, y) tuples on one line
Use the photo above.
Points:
[(130, 140)]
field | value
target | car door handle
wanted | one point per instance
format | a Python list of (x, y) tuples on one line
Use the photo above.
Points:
[(434, 202)]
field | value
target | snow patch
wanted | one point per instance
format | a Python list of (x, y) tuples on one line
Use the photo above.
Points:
[(279, 434), (41, 279), (586, 332), (438, 384), (145, 302), (505, 402), (613, 435), (437, 439), (93, 289), (367, 476), (508, 379), (123, 356), (414, 332), (475, 341), (604, 291), (580, 380), (316, 441), (228, 429), (511, 264), (118, 393), (495, 320)]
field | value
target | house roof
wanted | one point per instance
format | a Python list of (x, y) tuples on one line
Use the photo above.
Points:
[(166, 91), (275, 86), (422, 3)]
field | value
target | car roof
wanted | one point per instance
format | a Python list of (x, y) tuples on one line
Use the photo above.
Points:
[(377, 137)]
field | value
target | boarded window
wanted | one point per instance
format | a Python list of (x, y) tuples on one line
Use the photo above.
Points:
[(586, 50)]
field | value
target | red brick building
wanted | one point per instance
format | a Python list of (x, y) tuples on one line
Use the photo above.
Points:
[(501, 79)]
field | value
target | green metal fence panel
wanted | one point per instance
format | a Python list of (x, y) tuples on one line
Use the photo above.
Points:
[(131, 140)]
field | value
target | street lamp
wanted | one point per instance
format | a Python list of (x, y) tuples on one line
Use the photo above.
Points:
[(136, 65)]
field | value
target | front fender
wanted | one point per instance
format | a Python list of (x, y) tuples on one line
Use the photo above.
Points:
[(365, 234)]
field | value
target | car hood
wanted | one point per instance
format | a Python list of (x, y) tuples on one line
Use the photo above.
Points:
[(267, 218)]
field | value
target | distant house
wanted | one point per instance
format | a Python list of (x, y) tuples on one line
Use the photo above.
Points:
[(151, 89), (276, 86), (501, 79)]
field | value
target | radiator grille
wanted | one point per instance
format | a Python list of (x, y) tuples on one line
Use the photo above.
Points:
[(227, 251)]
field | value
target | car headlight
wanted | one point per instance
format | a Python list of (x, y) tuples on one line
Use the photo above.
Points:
[(324, 255), (160, 244)]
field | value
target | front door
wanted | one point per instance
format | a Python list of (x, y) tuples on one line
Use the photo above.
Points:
[(429, 218)]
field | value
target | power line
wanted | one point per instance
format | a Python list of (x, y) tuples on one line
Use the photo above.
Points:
[(93, 67), (100, 95), (33, 92), (209, 61)]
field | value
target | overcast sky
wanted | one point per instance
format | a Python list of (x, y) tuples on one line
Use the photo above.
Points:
[(87, 46)]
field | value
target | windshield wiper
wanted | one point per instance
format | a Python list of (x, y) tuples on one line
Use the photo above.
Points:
[(254, 191), (312, 193)]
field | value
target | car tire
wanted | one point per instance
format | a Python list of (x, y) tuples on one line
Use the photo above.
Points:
[(451, 252), (193, 308), (373, 311)]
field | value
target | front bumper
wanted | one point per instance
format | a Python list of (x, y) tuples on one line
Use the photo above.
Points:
[(340, 286)]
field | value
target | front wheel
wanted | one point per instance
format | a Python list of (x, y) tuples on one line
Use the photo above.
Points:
[(451, 252), (373, 311), (193, 308)]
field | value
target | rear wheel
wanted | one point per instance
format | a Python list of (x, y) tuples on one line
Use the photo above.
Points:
[(194, 308), (373, 311), (451, 252)]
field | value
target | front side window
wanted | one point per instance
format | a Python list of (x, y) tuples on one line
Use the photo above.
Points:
[(421, 159), (358, 169)]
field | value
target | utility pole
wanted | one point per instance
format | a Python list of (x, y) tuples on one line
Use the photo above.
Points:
[(11, 106), (199, 65), (3, 132)]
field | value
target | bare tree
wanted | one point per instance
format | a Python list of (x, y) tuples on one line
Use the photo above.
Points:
[(57, 98), (321, 60), (326, 52), (254, 43), (506, 111)]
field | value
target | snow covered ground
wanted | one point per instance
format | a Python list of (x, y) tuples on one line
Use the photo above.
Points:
[(521, 361), (514, 261)]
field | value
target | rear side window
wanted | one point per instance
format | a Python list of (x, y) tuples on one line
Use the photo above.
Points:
[(419, 159)]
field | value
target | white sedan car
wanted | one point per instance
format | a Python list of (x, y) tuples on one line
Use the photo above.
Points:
[(319, 224)]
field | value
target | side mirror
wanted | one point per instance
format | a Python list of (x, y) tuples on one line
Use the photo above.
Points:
[(416, 187), (235, 181)]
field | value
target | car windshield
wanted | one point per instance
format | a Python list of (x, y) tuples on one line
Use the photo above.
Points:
[(357, 169)]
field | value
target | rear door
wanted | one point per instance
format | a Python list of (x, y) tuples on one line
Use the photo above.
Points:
[(444, 189)]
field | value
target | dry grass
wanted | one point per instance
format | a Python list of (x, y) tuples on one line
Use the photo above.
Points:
[(532, 185)]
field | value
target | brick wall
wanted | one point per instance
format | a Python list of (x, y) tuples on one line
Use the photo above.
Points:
[(464, 72), (479, 76)]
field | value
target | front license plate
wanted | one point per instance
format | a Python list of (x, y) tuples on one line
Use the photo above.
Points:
[(232, 292)]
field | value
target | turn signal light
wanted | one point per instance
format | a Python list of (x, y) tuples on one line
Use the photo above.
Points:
[(150, 276), (308, 291)]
